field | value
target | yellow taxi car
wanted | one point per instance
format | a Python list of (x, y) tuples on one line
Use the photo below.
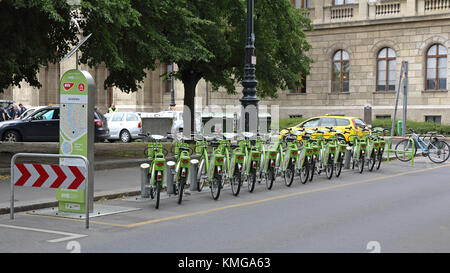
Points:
[(337, 122)]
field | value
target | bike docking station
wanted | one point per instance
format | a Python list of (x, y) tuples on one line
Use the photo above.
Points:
[(73, 178), (169, 182)]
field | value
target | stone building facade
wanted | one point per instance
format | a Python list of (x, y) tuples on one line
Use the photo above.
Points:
[(358, 47)]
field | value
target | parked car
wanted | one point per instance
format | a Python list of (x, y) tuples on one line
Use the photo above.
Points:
[(6, 103), (337, 122), (30, 111), (124, 126), (43, 125)]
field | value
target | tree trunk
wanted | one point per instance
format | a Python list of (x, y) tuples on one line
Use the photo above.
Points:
[(189, 82)]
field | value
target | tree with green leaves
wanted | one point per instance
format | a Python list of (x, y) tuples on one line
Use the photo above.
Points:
[(206, 39), (33, 34), (129, 36), (280, 43)]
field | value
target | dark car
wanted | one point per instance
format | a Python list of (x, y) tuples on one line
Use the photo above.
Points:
[(43, 125)]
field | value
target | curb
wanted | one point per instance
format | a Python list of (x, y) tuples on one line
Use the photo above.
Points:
[(102, 165)]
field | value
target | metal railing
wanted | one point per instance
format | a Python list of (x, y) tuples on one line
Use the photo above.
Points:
[(86, 161)]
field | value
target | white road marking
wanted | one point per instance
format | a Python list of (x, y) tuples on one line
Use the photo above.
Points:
[(69, 236)]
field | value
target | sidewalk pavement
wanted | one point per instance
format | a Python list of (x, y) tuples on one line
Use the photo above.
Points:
[(112, 183)]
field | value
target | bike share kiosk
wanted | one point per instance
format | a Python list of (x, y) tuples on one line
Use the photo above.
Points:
[(76, 134)]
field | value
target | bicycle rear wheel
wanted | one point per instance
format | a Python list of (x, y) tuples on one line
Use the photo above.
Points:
[(338, 167), (312, 168), (304, 172), (216, 186), (361, 164), (158, 191), (236, 182), (379, 158), (252, 180), (289, 175), (371, 160), (181, 189), (438, 151), (270, 178), (201, 175), (329, 168), (405, 147)]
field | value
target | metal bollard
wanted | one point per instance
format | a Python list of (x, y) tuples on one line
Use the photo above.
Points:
[(348, 155), (145, 190), (170, 170), (193, 175)]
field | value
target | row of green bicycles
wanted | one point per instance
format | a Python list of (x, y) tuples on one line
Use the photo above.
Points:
[(250, 159)]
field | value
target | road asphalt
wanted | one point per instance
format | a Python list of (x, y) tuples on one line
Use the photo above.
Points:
[(398, 208)]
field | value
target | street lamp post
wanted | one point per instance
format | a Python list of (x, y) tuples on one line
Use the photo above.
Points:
[(249, 83), (172, 87)]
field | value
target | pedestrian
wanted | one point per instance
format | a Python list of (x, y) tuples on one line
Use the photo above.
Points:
[(113, 108), (14, 112), (22, 109), (2, 114), (10, 112)]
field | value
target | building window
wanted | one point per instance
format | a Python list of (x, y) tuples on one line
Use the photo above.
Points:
[(386, 70), (340, 72), (302, 4), (300, 89), (435, 119), (436, 68), (342, 2)]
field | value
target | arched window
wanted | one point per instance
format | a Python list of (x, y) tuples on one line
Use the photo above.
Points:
[(436, 68), (386, 70), (340, 72)]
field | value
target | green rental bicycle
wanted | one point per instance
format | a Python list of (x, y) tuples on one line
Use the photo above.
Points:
[(359, 144), (234, 158), (290, 157), (182, 154), (326, 155), (306, 156), (211, 166), (252, 161), (156, 154), (272, 152)]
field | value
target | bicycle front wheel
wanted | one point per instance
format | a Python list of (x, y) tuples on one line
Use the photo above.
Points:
[(438, 151), (405, 148)]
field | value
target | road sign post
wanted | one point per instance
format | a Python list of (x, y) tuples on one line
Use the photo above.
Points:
[(76, 134)]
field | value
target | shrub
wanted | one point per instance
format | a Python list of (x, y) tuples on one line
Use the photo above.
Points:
[(289, 122), (419, 127)]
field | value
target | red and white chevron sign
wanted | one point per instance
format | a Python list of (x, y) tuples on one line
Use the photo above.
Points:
[(49, 176)]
